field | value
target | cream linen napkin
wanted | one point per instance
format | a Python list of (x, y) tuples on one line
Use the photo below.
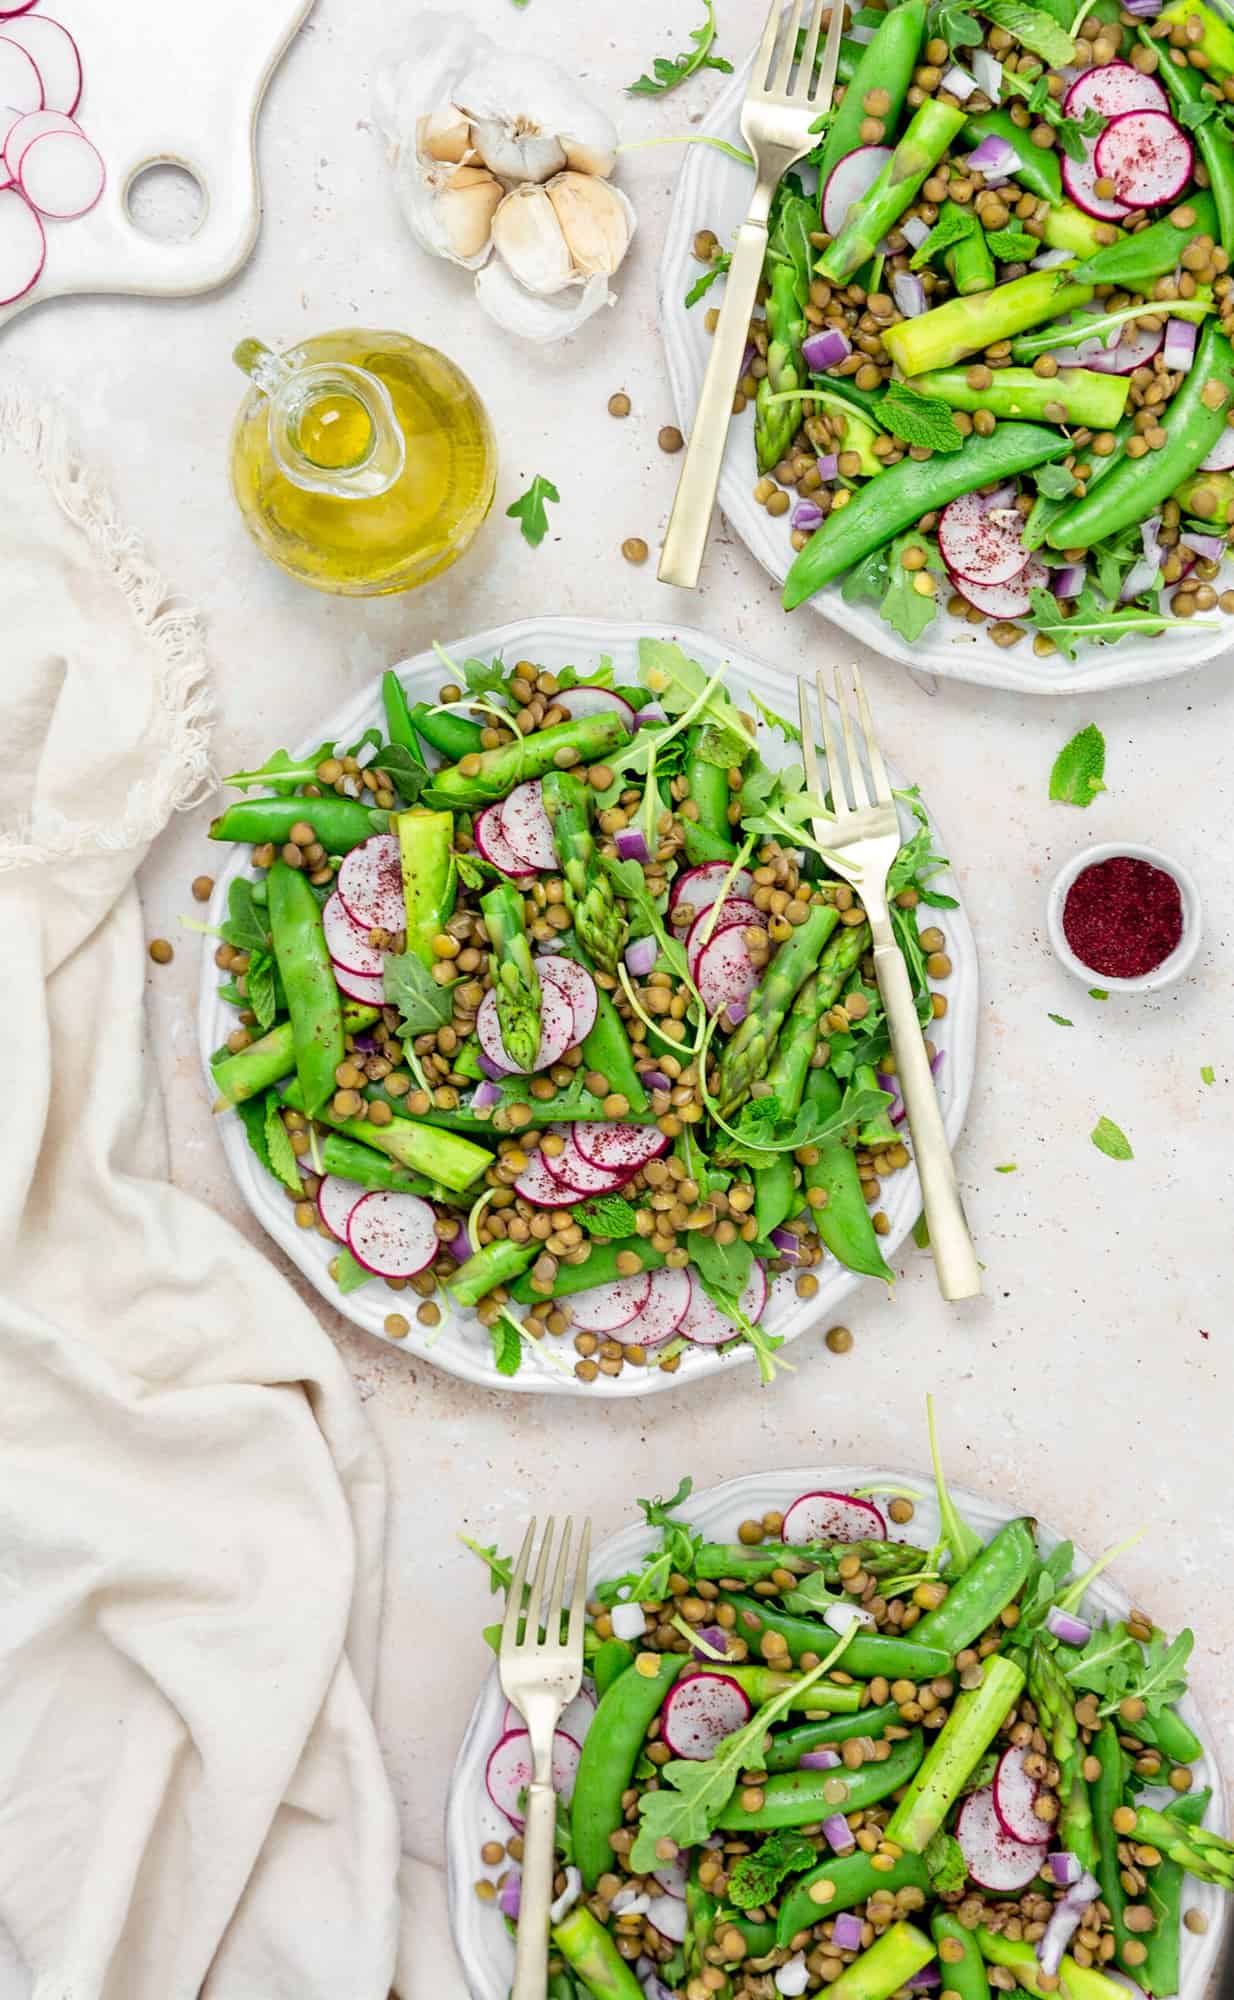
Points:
[(192, 1800)]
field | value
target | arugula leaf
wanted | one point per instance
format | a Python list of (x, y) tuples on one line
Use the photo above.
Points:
[(919, 420), (810, 1596), (1079, 768), (678, 683), (667, 74), (530, 511), (1011, 246), (947, 1867), (788, 730), (500, 1568), (1163, 1679), (1054, 482), (958, 28), (348, 1274), (405, 772), (282, 1159), (507, 1345), (631, 885), (703, 283), (1032, 28), (410, 986), (766, 1345), (762, 1126), (1110, 1140), (282, 772), (963, 1543), (1060, 1020), (905, 608), (756, 1877), (678, 1544), (725, 1265), (916, 861), (607, 1215), (954, 225), (1091, 621)]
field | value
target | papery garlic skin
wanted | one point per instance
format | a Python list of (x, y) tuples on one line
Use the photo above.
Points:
[(529, 121), (541, 320), (531, 243), (596, 220)]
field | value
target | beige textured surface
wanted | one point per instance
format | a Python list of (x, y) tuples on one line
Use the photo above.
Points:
[(1095, 1380)]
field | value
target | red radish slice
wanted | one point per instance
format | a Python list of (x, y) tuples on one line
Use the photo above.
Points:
[(605, 1308), (14, 7), (976, 545), (733, 910), (1013, 1795), (21, 86), (494, 846), (701, 887), (1146, 155), (832, 1517), (538, 1184), (726, 973), (847, 183), (509, 1770), (347, 943), (336, 1198), (370, 883), (556, 1029), (993, 1859), (394, 1235), (706, 1326), (1135, 349), (1112, 89), (575, 1721), (62, 174), (1005, 600), (578, 987), (619, 1147), (23, 246), (1080, 180), (527, 828), (700, 1711), (588, 700), (22, 133), (667, 1305), (360, 986), (54, 54), (1221, 457), (577, 1174)]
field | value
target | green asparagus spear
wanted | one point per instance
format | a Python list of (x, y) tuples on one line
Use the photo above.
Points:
[(961, 326), (515, 979), (1055, 1704), (1201, 1853), (930, 131), (254, 1069), (955, 1753), (590, 896), (776, 424), (714, 1561), (441, 1156), (969, 263), (1082, 395), (890, 1963), (588, 1948), (747, 1053), (425, 846), (495, 1263), (489, 774)]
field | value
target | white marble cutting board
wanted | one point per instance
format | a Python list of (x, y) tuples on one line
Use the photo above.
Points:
[(166, 81)]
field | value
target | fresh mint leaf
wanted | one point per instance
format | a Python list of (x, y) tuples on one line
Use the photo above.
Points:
[(1011, 246), (251, 1112), (867, 580), (507, 1344), (530, 512), (905, 608), (703, 283), (954, 225), (1008, 1167), (925, 421), (947, 1867), (410, 986), (757, 1876), (1079, 768), (348, 1274), (921, 1232), (1032, 28), (261, 988), (607, 1215), (1109, 1139), (246, 926), (667, 73), (282, 1159)]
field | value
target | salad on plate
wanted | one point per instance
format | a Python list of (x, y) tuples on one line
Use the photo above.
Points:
[(549, 1006), (835, 1754)]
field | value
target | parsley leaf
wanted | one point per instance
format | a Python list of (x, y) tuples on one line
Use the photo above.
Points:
[(919, 420), (1011, 246), (410, 986), (756, 1877), (507, 1345), (530, 511), (954, 225), (905, 608), (1110, 1140), (1032, 28), (607, 1215), (1079, 768), (668, 73), (947, 1867), (282, 1160), (958, 28), (703, 283)]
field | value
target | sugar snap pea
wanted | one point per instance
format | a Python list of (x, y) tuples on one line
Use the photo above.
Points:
[(887, 63), (843, 1222), (853, 1880), (960, 1962), (1135, 261), (600, 1268), (313, 1000), (591, 1951), (701, 845), (867, 1653), (975, 1599), (798, 1798), (1185, 87), (789, 1746), (399, 726), (1035, 168), (1164, 1896), (611, 1749), (492, 1264), (252, 1070), (761, 1683), (452, 736), (339, 824), (1106, 1793), (444, 1156), (1168, 1733), (708, 790), (610, 1663)]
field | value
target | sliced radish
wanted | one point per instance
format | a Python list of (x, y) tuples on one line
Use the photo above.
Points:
[(605, 1308), (832, 1517), (706, 1326), (619, 1146), (847, 183), (992, 1858), (701, 887), (579, 988), (1013, 1795), (510, 1770), (667, 1305), (1146, 155), (700, 1711), (1112, 89), (54, 54), (370, 883), (15, 7), (62, 174), (673, 1877), (392, 1234), (1080, 179), (336, 1198), (23, 246), (733, 910), (977, 545), (556, 1029), (1134, 349), (494, 846), (527, 827), (22, 132), (588, 700), (347, 943), (360, 986), (21, 86), (1005, 600), (538, 1184), (726, 972), (576, 1717), (1221, 457), (578, 1174)]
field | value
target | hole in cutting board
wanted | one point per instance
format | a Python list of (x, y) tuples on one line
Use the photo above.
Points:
[(166, 201)]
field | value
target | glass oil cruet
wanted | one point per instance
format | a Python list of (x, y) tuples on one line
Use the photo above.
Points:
[(362, 462)]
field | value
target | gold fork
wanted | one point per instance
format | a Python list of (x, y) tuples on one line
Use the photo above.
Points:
[(540, 1672), (864, 839), (776, 121)]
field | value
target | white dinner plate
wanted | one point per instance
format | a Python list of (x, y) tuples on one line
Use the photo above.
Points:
[(460, 1343), (480, 1937), (713, 192)]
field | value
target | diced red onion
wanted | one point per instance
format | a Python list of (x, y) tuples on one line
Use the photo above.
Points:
[(1065, 1922), (509, 1895), (459, 1245), (959, 83), (825, 349), (1045, 260), (788, 1245), (747, 358), (914, 229), (889, 1083), (642, 954), (654, 1988), (838, 1834), (909, 294), (736, 1011), (820, 1760), (861, 33), (807, 515), (1144, 10), (1000, 496), (828, 464), (714, 1636), (367, 1043), (937, 1060), (1141, 576), (1209, 548), (926, 1980), (989, 73), (1064, 1868), (486, 1096), (1066, 1626), (1179, 349), (1009, 518), (994, 155), (631, 845), (846, 1932), (655, 1079), (1068, 581), (492, 1070), (651, 712)]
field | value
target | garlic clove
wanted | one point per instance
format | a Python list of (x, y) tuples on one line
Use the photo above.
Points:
[(529, 122), (437, 49), (537, 319), (589, 141), (467, 204), (443, 134), (595, 219), (528, 238), (517, 152)]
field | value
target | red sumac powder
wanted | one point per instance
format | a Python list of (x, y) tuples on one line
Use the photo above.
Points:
[(1123, 917)]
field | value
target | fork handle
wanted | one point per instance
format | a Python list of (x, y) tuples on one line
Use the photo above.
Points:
[(681, 557), (955, 1260), (535, 1895)]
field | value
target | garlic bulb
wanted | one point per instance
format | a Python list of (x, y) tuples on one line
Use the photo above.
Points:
[(529, 121)]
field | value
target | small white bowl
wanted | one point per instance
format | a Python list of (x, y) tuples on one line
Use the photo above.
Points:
[(1171, 968)]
